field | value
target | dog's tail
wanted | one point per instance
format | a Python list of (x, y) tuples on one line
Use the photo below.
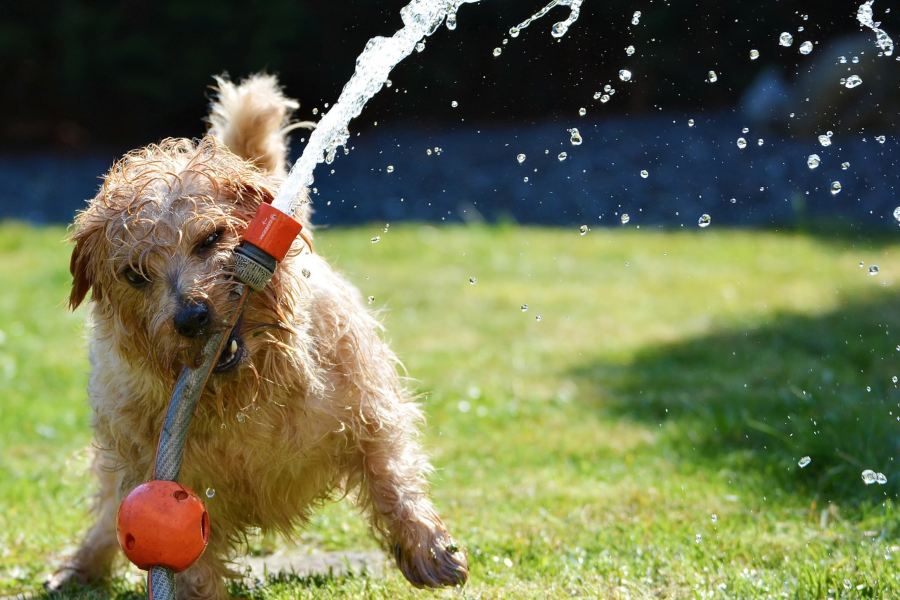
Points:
[(253, 118)]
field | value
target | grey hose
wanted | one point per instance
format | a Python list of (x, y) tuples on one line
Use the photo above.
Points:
[(170, 451)]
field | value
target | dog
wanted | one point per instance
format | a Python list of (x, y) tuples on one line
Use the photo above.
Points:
[(306, 403)]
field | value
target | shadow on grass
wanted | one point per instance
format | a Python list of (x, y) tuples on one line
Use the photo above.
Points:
[(115, 591), (751, 402), (96, 592), (312, 581)]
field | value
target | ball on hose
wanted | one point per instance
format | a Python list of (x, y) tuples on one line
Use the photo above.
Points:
[(162, 523)]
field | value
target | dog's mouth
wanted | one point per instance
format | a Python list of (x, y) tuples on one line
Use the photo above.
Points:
[(233, 352)]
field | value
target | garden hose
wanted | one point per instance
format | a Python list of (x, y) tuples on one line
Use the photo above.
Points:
[(265, 243)]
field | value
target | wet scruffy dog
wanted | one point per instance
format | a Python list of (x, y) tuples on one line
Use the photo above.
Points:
[(305, 404)]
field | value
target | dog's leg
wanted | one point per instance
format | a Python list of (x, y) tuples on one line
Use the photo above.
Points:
[(394, 473), (204, 580), (391, 463), (93, 560)]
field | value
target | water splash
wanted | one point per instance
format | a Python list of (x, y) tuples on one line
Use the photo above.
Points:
[(381, 54), (559, 28), (421, 18), (865, 18)]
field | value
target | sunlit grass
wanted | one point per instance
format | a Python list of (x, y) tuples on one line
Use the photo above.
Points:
[(672, 376)]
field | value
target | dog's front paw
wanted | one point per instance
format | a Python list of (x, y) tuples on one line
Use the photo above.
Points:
[(66, 577), (437, 562)]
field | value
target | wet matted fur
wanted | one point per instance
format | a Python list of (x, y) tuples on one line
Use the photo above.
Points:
[(312, 408)]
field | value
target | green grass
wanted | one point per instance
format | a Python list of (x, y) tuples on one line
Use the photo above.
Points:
[(671, 377)]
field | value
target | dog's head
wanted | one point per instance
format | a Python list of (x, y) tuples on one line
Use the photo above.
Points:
[(154, 248)]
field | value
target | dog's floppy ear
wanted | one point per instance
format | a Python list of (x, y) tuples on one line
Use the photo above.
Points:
[(86, 237)]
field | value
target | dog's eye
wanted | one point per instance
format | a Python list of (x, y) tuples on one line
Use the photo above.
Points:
[(209, 241), (134, 278)]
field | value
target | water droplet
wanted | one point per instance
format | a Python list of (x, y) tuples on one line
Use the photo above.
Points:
[(306, 273), (583, 230), (636, 17), (873, 270), (451, 21), (389, 168), (388, 83), (582, 111), (852, 81), (897, 213), (804, 462), (375, 239), (625, 218), (845, 165), (785, 39), (806, 47), (498, 51), (538, 318), (712, 77), (835, 188), (420, 46), (644, 174), (825, 140), (625, 75), (524, 308), (895, 379), (880, 478), (514, 32), (473, 280), (371, 299), (760, 142), (559, 29), (813, 160), (629, 50), (869, 477), (714, 518), (210, 492), (698, 538), (690, 122), (241, 417), (880, 139), (754, 54), (520, 158), (741, 143), (604, 98), (454, 104), (704, 220), (562, 156), (575, 136)]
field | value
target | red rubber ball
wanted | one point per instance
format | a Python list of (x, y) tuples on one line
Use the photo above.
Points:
[(162, 523)]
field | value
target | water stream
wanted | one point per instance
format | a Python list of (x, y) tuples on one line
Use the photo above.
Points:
[(421, 18)]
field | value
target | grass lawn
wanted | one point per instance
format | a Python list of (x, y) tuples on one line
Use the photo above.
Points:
[(634, 433)]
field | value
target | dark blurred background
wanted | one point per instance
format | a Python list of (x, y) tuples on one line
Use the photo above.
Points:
[(85, 81)]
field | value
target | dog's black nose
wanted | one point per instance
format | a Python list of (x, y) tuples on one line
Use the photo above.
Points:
[(192, 318)]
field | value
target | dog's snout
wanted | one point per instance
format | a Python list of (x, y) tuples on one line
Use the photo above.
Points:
[(192, 318)]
